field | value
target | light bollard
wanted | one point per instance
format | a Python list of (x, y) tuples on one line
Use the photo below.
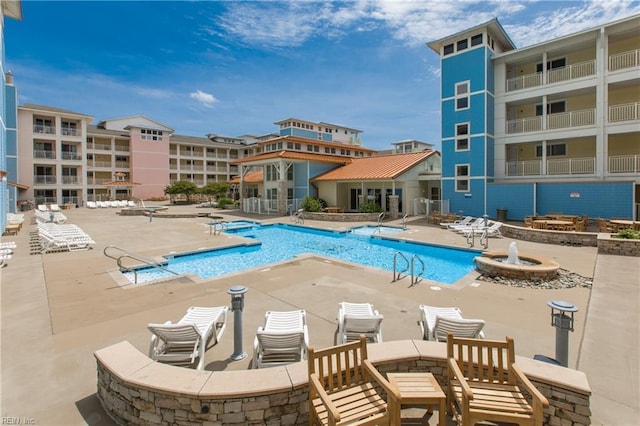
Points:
[(237, 304), (562, 318)]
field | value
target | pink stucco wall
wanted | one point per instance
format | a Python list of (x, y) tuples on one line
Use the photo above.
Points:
[(149, 163)]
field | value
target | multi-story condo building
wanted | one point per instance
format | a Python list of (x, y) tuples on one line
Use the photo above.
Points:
[(64, 159), (8, 128), (551, 127)]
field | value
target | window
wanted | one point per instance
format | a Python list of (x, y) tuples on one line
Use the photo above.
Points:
[(462, 137), (448, 49), (476, 40), (552, 108), (462, 173), (151, 135), (69, 128), (553, 64), (328, 150), (553, 150), (462, 44), (462, 95)]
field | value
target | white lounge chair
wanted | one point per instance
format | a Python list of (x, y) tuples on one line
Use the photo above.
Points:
[(43, 208), (355, 319), (92, 205), (54, 208), (435, 322), (493, 230), (3, 259), (479, 221), (465, 221), (282, 340), (185, 342)]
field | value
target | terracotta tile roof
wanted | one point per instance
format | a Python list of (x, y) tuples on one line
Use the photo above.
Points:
[(376, 168), (251, 177), (295, 155)]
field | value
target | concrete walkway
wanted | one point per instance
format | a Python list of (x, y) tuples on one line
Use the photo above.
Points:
[(611, 342), (59, 308)]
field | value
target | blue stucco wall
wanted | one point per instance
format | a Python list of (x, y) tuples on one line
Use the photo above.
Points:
[(462, 67), (460, 202), (518, 199)]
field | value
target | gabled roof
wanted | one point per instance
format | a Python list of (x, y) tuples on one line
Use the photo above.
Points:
[(138, 120), (340, 145), (255, 176), (376, 168), (294, 155)]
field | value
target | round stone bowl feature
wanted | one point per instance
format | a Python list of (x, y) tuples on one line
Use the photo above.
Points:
[(532, 267)]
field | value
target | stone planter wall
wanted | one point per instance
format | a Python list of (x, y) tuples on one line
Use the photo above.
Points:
[(135, 390), (589, 239), (342, 217), (618, 246)]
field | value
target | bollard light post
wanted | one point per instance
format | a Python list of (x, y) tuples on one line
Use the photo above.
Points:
[(562, 318), (237, 304)]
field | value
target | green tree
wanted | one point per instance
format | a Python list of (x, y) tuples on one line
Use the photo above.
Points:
[(182, 187), (215, 189)]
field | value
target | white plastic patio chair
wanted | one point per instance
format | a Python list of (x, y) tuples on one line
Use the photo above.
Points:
[(355, 319), (435, 322), (493, 230), (187, 340), (282, 340)]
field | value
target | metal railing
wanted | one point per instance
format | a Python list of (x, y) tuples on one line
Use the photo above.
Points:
[(624, 60), (563, 120), (524, 125), (51, 155), (570, 72), (624, 112), (523, 168), (571, 166), (125, 254), (624, 164), (71, 156), (409, 266), (44, 179)]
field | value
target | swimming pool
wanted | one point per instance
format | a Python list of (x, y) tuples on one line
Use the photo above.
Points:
[(373, 230), (279, 242)]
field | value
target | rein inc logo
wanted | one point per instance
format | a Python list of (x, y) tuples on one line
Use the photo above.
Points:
[(5, 420)]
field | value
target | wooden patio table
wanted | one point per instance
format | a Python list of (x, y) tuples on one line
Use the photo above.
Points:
[(423, 389), (552, 222)]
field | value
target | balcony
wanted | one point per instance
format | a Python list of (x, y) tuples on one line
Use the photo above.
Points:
[(99, 147), (564, 166), (67, 131), (70, 180), (562, 120), (44, 179), (40, 128), (624, 112), (71, 156), (96, 163), (557, 75), (49, 155), (624, 60), (624, 164)]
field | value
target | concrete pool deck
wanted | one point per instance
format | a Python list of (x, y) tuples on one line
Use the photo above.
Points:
[(59, 308)]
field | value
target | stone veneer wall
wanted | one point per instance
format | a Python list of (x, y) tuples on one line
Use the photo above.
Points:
[(342, 217), (589, 239), (618, 246), (136, 390)]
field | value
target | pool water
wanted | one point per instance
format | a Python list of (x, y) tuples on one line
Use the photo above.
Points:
[(374, 230), (281, 242)]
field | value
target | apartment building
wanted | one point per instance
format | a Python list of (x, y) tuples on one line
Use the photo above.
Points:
[(64, 159), (550, 127), (8, 131)]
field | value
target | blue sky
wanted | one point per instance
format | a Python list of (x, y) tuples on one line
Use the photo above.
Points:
[(236, 67)]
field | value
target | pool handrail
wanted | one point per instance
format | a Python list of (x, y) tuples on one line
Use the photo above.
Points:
[(127, 254)]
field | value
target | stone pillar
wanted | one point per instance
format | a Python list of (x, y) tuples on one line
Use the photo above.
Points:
[(360, 200), (394, 202), (282, 197)]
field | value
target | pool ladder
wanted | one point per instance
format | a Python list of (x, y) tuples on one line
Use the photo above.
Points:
[(484, 238), (125, 254), (409, 265), (216, 228)]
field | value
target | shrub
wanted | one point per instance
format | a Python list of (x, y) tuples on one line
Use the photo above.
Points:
[(628, 234), (311, 204), (370, 208), (223, 201)]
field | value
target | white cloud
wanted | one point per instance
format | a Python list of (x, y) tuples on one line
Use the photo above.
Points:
[(291, 24), (206, 99)]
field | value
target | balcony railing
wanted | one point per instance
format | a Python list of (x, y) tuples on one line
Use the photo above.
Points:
[(523, 168), (99, 163), (624, 112), (624, 60), (571, 72), (99, 146), (70, 180), (122, 148), (524, 125), (563, 120), (51, 155), (564, 166), (44, 180), (571, 166), (624, 164), (71, 156), (69, 132), (40, 128), (122, 164)]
